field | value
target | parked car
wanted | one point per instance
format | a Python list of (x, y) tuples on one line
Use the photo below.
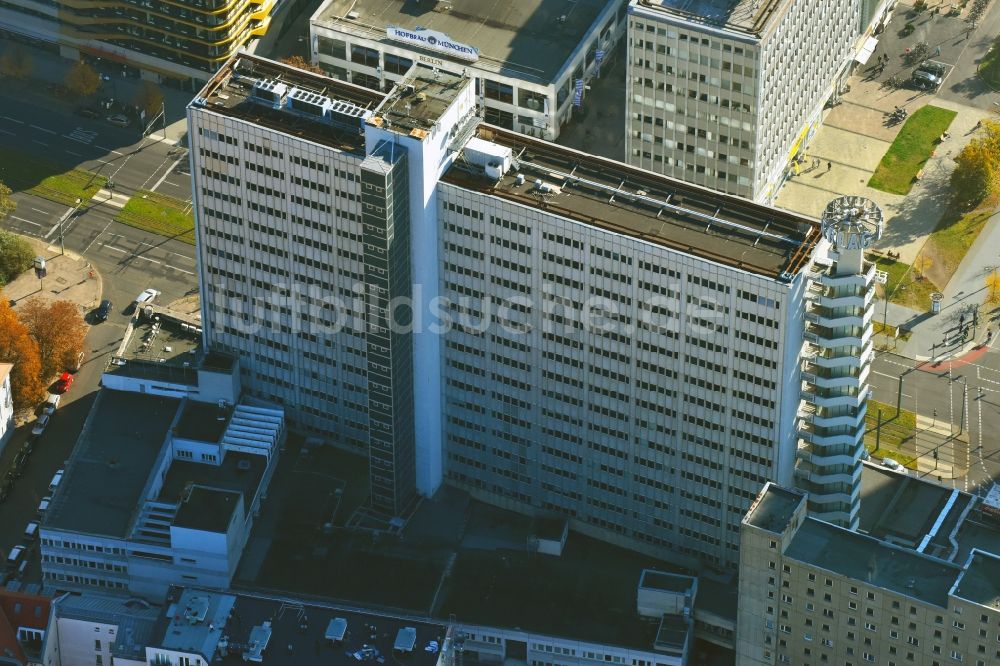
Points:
[(929, 75), (118, 120), (147, 296), (51, 404), (64, 383), (43, 506), (31, 531), (5, 487), (56, 480), (14, 557), (29, 445), (87, 112), (103, 310), (893, 465), (40, 424)]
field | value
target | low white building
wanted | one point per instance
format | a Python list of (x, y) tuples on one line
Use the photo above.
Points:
[(161, 489), (6, 404), (531, 59)]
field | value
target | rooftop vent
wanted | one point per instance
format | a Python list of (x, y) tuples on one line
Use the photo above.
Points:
[(269, 92), (309, 103)]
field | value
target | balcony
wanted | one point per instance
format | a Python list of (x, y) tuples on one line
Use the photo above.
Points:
[(808, 433), (822, 376), (831, 358), (825, 337), (827, 279), (819, 418), (819, 458), (819, 397)]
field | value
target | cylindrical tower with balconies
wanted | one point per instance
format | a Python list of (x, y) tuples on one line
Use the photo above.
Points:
[(839, 308)]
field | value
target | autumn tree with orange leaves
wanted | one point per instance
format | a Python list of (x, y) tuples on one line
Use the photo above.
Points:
[(58, 329), (977, 167), (299, 62), (18, 347)]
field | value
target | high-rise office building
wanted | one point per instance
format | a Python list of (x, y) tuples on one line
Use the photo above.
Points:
[(920, 588), (725, 93), (585, 339), (183, 40)]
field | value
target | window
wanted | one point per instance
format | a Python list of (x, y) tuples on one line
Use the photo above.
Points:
[(499, 91), (97, 642), (395, 64), (364, 56), (336, 48)]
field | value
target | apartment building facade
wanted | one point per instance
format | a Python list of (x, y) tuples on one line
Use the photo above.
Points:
[(815, 593), (182, 41), (581, 345), (728, 94)]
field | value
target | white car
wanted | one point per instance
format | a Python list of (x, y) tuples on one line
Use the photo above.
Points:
[(40, 424), (146, 296), (893, 465), (51, 404)]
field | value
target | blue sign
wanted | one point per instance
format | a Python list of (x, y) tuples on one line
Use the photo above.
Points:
[(578, 93), (599, 55)]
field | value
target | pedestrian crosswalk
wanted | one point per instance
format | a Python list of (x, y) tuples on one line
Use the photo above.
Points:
[(82, 135)]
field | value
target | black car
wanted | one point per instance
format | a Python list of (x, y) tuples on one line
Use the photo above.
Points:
[(5, 488), (29, 445), (88, 112), (103, 310)]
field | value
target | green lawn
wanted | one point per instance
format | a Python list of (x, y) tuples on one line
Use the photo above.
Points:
[(907, 155), (954, 236), (904, 287), (989, 66), (898, 431), (159, 214), (28, 173)]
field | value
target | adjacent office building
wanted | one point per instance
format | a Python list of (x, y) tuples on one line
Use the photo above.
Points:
[(727, 94), (922, 586), (531, 59), (586, 339), (167, 476), (177, 42)]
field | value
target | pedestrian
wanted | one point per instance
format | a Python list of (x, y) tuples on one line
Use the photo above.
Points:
[(829, 166)]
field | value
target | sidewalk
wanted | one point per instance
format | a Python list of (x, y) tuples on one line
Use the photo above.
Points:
[(50, 68), (68, 277)]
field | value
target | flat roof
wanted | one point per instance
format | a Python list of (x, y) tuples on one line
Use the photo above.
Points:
[(872, 561), (980, 582), (111, 462), (162, 341), (774, 508), (616, 197), (418, 102), (229, 93), (238, 472), (135, 619), (201, 421), (747, 16), (207, 509), (667, 582), (199, 618), (528, 39)]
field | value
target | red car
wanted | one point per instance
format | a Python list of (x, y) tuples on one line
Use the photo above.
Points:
[(64, 383)]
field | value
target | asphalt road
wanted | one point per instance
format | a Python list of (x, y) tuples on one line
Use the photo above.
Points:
[(965, 397), (128, 260)]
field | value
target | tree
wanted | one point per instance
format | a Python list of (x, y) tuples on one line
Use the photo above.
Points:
[(977, 167), (59, 329), (16, 62), (17, 347), (83, 80), (299, 62), (993, 288), (7, 204), (921, 264), (149, 99), (16, 256)]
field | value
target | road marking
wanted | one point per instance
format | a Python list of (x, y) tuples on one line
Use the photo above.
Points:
[(41, 143), (149, 259), (43, 212), (82, 135), (58, 224), (109, 150), (42, 129), (24, 220), (97, 236), (882, 374), (6, 132), (70, 152), (14, 120)]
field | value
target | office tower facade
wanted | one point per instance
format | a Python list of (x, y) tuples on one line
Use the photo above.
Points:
[(812, 592), (727, 94), (588, 340), (837, 360), (527, 57), (181, 41)]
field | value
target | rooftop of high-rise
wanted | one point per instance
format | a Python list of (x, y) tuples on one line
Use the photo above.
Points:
[(618, 198), (745, 16)]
